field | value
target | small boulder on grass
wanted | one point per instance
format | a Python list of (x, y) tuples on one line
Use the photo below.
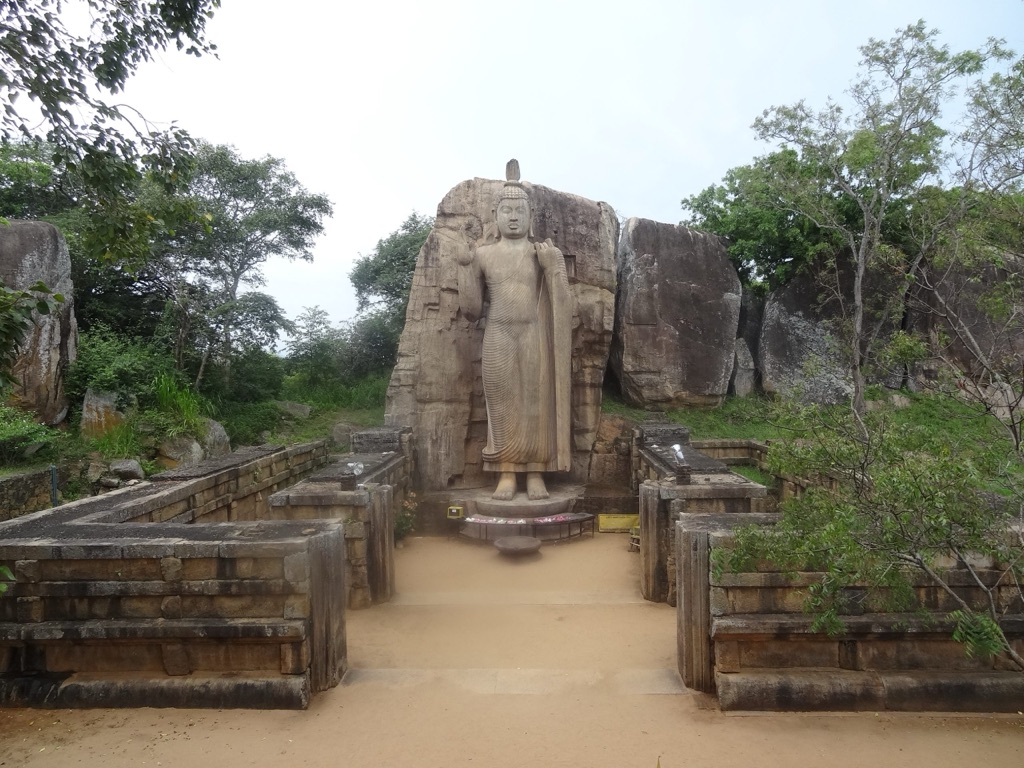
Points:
[(294, 411), (127, 469), (181, 451)]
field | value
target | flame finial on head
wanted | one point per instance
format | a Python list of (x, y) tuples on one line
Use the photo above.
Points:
[(513, 188)]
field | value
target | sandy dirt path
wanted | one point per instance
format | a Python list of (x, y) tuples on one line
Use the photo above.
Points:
[(483, 661)]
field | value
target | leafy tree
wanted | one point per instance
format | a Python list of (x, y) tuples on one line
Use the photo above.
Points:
[(884, 510), (317, 348), (768, 241), (383, 278), (372, 346), (889, 505), (324, 355), (30, 186), (881, 155), (256, 209), (69, 78)]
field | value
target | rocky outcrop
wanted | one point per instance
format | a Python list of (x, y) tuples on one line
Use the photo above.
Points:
[(799, 354), (677, 315), (436, 387), (100, 414), (31, 251), (179, 452), (215, 440)]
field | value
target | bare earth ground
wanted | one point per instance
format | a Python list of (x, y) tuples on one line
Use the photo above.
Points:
[(483, 661)]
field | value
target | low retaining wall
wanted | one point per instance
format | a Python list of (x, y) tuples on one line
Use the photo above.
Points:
[(746, 637), (366, 503), (670, 487), (176, 592), (28, 492)]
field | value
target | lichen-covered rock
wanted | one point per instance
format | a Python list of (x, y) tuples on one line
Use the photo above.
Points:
[(799, 354), (436, 386), (215, 439), (31, 251), (677, 314), (127, 469), (100, 414), (744, 374), (181, 451)]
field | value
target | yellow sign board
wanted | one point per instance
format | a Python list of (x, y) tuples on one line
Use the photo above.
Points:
[(617, 523)]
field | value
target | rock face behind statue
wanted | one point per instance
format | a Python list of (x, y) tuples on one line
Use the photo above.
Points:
[(677, 316), (436, 387), (31, 251)]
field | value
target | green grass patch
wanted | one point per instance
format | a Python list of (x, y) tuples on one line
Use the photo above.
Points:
[(365, 394), (737, 418), (755, 474)]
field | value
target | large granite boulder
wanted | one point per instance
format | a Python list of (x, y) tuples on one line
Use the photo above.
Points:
[(799, 352), (31, 251), (677, 316), (436, 385)]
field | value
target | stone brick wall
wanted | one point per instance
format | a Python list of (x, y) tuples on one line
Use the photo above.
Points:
[(365, 501), (30, 491), (746, 636), (123, 600)]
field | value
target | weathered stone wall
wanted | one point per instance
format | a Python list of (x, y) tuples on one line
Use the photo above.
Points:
[(123, 600), (28, 492), (31, 251), (366, 503), (746, 636), (436, 386), (668, 491)]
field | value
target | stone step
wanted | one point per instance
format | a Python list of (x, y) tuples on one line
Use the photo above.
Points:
[(491, 597), (804, 690), (621, 682)]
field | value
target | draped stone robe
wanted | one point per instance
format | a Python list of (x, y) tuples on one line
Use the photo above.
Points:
[(526, 358)]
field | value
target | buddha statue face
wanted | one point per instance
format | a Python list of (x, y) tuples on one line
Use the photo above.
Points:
[(513, 217)]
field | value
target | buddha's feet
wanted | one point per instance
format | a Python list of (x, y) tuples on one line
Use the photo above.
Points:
[(535, 488), (506, 490)]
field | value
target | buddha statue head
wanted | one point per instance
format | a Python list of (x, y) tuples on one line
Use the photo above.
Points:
[(512, 212)]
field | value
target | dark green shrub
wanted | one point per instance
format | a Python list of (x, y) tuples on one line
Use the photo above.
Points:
[(108, 362), (18, 431), (245, 423)]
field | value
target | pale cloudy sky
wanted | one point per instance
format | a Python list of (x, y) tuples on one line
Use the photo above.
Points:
[(386, 105)]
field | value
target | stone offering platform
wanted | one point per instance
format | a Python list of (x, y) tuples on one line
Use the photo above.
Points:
[(567, 525), (518, 546)]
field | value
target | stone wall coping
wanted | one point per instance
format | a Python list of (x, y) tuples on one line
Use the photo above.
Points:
[(318, 494), (767, 626), (783, 580), (156, 588), (734, 442), (743, 489), (271, 630)]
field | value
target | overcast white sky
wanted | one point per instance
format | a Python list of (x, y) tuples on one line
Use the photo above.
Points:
[(385, 106)]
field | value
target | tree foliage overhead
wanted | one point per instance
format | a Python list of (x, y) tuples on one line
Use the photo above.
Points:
[(768, 241), (56, 83), (383, 278)]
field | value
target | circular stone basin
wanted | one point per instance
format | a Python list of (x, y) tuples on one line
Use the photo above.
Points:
[(517, 546)]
